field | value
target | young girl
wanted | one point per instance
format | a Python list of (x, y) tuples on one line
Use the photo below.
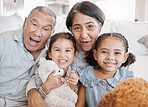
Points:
[(110, 54), (62, 50)]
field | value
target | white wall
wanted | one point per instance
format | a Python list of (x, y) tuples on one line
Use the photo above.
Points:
[(118, 9), (142, 10), (22, 7), (113, 9), (29, 5), (1, 7)]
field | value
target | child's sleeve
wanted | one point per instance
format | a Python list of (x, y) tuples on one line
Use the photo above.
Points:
[(129, 74), (83, 74), (39, 84), (35, 82), (31, 84)]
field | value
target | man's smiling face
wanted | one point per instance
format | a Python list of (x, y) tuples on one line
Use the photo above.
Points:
[(37, 30)]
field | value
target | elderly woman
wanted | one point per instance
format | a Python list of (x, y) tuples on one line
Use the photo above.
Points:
[(85, 21)]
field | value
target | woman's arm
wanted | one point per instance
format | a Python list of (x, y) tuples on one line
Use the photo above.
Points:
[(81, 97), (35, 99)]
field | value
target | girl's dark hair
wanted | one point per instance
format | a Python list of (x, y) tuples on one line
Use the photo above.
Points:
[(90, 58), (87, 8), (62, 35)]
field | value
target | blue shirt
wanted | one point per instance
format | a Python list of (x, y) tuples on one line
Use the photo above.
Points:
[(16, 68), (96, 88)]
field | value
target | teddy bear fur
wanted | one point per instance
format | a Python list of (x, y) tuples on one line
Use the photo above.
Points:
[(62, 96), (132, 92)]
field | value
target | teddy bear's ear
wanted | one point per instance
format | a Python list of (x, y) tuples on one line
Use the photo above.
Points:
[(108, 100)]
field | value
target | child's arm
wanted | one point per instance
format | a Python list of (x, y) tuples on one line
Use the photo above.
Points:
[(34, 97), (81, 97), (52, 82), (72, 79)]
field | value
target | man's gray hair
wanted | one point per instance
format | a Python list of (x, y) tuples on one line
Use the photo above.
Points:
[(45, 10)]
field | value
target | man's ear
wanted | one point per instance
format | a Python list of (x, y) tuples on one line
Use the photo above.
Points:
[(24, 22), (125, 57), (53, 31)]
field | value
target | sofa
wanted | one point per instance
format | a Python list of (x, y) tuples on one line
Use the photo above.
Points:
[(10, 22), (135, 32)]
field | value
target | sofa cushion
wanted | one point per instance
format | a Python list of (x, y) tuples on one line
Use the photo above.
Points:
[(10, 22), (133, 31), (140, 67), (144, 40)]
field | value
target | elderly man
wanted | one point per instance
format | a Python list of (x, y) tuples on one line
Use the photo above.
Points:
[(19, 53)]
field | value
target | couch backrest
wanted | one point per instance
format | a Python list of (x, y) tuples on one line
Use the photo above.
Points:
[(10, 22), (133, 31)]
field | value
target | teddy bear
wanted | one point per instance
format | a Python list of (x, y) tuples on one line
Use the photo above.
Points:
[(62, 96), (132, 92)]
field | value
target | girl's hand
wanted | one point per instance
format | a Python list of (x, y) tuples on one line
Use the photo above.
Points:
[(72, 79), (52, 82)]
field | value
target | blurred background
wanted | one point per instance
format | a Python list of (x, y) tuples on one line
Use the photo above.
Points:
[(130, 10), (128, 17)]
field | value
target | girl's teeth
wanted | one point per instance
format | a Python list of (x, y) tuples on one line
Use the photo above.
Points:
[(62, 61)]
